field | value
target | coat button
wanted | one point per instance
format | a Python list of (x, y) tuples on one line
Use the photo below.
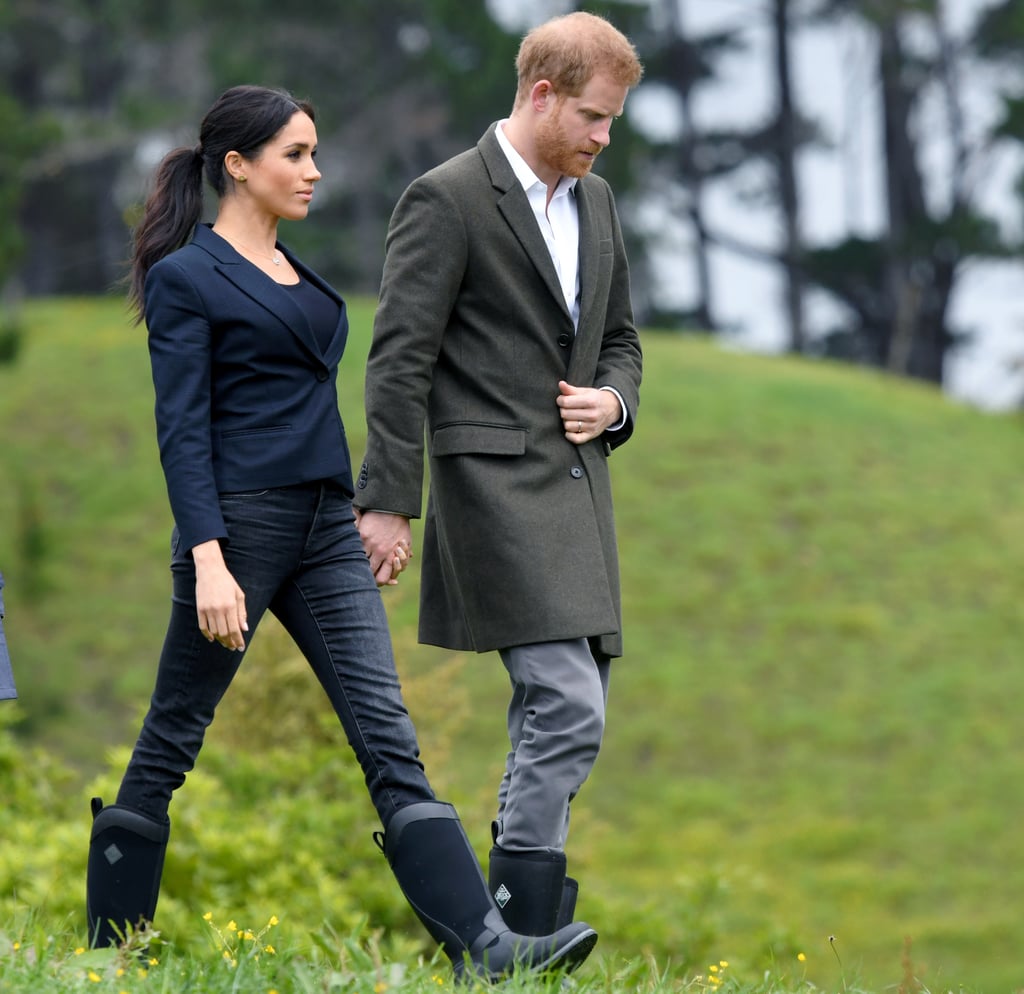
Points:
[(322, 375), (576, 472), (564, 340)]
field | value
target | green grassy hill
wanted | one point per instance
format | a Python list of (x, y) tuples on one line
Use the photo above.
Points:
[(812, 733)]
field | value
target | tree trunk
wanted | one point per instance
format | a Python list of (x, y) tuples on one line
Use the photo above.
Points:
[(786, 167), (691, 175)]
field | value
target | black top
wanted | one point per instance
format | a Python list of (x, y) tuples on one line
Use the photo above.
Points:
[(321, 312)]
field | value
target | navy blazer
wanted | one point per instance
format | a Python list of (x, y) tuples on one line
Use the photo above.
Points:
[(245, 398)]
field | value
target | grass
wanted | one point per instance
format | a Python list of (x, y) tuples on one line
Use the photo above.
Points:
[(813, 746), (241, 961)]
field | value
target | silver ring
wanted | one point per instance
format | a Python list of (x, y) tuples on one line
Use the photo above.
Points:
[(579, 427)]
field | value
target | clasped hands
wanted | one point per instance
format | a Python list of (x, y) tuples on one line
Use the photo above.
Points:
[(387, 541)]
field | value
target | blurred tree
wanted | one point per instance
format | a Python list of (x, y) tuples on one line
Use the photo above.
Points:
[(399, 85), (898, 286), (666, 171)]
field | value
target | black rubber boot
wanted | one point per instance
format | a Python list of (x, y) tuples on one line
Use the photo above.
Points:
[(528, 888), (438, 872), (126, 860), (567, 906)]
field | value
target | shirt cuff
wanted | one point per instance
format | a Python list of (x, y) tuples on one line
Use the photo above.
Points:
[(622, 405)]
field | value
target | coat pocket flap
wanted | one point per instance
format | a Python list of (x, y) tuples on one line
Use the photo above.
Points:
[(466, 437)]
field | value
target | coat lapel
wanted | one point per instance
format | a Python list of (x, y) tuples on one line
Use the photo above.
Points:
[(516, 209), (589, 247)]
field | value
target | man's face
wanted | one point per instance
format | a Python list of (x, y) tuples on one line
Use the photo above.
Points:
[(573, 131)]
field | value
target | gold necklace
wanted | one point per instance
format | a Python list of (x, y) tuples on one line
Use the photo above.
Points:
[(275, 258)]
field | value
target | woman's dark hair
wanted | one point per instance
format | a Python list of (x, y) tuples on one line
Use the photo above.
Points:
[(243, 120)]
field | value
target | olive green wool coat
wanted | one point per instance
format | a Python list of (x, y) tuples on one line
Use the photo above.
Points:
[(470, 339)]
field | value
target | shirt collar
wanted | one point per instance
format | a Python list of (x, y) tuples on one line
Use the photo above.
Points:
[(524, 174)]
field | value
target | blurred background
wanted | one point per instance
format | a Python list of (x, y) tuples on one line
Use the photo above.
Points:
[(815, 730), (827, 177)]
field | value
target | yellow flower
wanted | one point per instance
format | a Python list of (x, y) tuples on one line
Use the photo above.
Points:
[(120, 972), (80, 950), (713, 968), (437, 980), (94, 976), (801, 957), (723, 963), (17, 946), (143, 973), (380, 987), (208, 917), (269, 949), (273, 921), (232, 925)]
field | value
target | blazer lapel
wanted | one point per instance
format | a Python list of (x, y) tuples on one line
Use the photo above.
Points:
[(262, 289), (516, 209)]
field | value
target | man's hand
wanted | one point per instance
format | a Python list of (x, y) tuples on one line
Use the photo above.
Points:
[(586, 411), (387, 541)]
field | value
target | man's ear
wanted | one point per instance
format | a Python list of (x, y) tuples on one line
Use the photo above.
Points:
[(542, 94)]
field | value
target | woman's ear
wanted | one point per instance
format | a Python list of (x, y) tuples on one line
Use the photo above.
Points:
[(235, 166)]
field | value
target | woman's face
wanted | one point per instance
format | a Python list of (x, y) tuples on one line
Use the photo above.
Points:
[(280, 181)]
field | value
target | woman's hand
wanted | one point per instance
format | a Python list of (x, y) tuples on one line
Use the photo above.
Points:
[(220, 601), (387, 541)]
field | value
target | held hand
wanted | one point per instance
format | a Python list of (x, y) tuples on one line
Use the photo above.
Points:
[(220, 601), (586, 411), (387, 541)]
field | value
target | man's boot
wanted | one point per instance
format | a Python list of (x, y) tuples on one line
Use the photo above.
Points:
[(567, 906), (126, 860), (528, 888), (435, 866)]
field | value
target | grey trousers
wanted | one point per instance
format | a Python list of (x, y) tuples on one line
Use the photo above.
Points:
[(556, 718), (7, 691)]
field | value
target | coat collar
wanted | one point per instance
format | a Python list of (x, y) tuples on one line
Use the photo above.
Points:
[(273, 297), (516, 209)]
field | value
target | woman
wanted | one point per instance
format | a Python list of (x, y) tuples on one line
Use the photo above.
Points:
[(7, 691), (244, 343)]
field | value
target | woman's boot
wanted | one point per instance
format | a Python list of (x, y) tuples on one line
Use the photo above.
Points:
[(126, 859), (438, 872)]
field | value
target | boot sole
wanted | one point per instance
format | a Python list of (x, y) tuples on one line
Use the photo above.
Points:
[(571, 955)]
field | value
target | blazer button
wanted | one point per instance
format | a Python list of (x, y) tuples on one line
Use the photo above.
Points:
[(322, 375), (564, 340), (576, 472)]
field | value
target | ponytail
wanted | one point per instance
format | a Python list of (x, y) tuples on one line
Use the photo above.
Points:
[(171, 212)]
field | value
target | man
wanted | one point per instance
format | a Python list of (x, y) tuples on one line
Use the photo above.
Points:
[(7, 691), (505, 326)]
